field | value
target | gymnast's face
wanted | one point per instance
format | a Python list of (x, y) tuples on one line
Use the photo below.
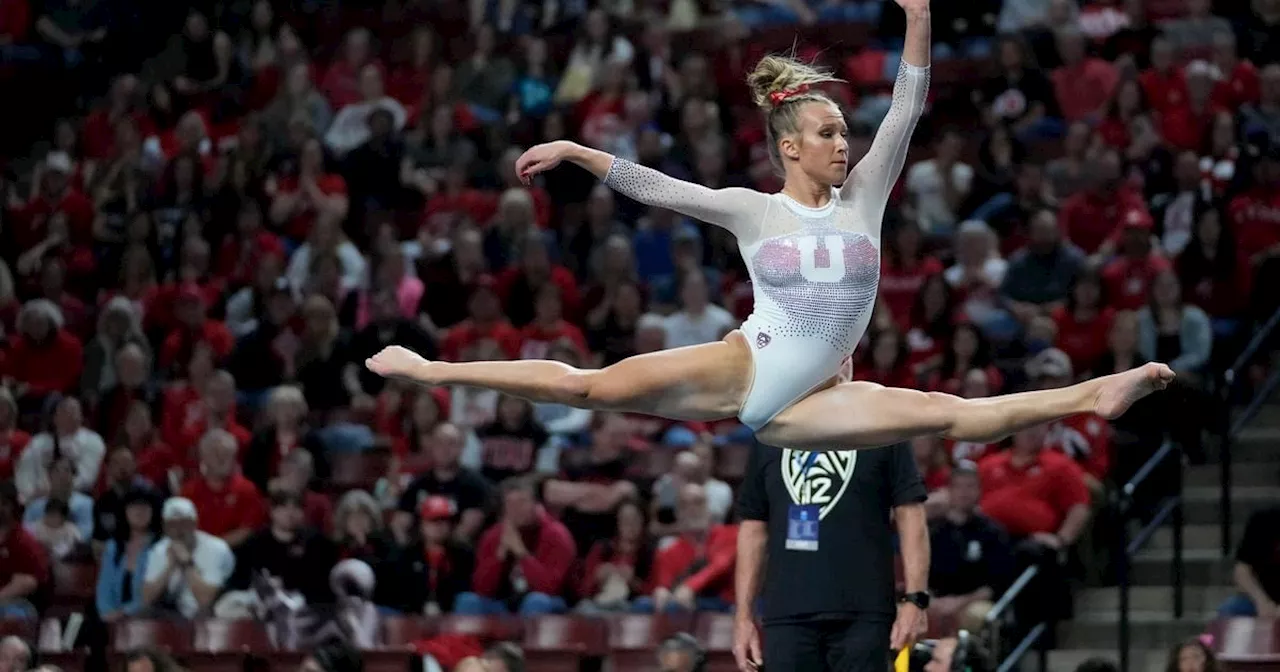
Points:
[(820, 146)]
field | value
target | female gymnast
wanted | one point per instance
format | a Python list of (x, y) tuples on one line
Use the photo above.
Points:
[(813, 252)]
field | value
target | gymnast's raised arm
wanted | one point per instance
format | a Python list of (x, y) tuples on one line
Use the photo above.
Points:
[(873, 177), (738, 210)]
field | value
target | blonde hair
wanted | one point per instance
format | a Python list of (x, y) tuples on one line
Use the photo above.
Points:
[(779, 85)]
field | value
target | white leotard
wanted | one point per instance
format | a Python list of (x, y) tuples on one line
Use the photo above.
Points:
[(814, 271)]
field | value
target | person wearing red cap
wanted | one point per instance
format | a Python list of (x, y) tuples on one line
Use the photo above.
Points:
[(1128, 277), (194, 327), (427, 576), (523, 561)]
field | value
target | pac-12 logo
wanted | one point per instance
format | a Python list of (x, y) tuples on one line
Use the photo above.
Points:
[(823, 482)]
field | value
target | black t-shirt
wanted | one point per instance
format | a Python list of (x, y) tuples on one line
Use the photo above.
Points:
[(302, 564), (468, 490), (507, 452), (851, 572), (1260, 549), (965, 557)]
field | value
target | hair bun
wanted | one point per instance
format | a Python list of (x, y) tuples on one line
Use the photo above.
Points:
[(774, 76)]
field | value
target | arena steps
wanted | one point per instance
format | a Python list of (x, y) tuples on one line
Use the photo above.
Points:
[(1196, 599), (1148, 629)]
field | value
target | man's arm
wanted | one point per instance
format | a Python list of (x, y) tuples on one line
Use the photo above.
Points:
[(913, 535), (752, 537), (20, 586), (1247, 581), (1074, 524)]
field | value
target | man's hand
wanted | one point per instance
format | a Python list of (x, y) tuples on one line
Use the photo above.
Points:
[(514, 543), (1048, 540), (661, 597), (180, 554), (746, 644), (1268, 610), (911, 624), (685, 597)]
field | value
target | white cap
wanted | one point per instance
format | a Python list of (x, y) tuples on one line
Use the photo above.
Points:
[(178, 508)]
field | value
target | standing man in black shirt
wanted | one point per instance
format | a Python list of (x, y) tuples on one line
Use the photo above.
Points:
[(823, 520), (467, 491)]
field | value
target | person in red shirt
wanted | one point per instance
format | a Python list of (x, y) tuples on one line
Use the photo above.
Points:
[(888, 361), (230, 505), (31, 223), (1128, 277), (1184, 126), (1083, 84), (1163, 82), (242, 253), (694, 572), (1254, 216), (12, 439), (43, 357), (24, 572), (903, 272), (194, 327), (520, 285), (296, 202), (548, 327), (99, 129), (1085, 438), (1084, 321), (1088, 218), (215, 409), (523, 561), (932, 461), (1240, 84), (486, 321), (341, 82), (1035, 493)]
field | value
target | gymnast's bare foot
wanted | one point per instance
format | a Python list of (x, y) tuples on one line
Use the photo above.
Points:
[(1117, 392), (401, 363)]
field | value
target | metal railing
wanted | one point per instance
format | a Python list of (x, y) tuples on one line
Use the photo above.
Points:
[(1170, 509), (1229, 428), (996, 620)]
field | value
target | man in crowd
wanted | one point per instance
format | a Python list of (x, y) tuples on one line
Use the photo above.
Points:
[(427, 576), (1257, 570), (466, 490), (187, 568), (694, 572), (62, 478), (24, 574), (523, 560), (972, 559), (288, 550), (230, 505)]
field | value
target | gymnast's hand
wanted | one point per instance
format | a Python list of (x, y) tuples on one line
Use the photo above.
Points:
[(397, 362), (541, 158)]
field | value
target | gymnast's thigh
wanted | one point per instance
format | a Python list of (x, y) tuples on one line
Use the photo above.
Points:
[(856, 415), (698, 382), (790, 647)]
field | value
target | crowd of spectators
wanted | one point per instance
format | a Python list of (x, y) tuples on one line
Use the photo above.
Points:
[(195, 266)]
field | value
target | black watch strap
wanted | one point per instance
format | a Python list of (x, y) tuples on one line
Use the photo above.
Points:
[(920, 599)]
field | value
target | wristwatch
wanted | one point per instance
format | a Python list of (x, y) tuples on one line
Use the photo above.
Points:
[(920, 599)]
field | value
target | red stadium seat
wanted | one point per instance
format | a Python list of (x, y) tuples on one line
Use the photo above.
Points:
[(174, 636), (377, 660), (715, 631), (487, 628), (553, 643), (634, 637), (401, 631), (230, 636)]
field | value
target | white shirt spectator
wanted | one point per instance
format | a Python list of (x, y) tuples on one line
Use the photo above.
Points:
[(719, 496), (924, 183), (211, 556), (353, 267), (683, 328), (84, 447)]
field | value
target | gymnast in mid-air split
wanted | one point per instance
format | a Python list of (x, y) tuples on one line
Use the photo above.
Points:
[(813, 252)]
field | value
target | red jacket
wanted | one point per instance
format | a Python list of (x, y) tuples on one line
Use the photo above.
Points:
[(1087, 219), (719, 553), (52, 367), (552, 554)]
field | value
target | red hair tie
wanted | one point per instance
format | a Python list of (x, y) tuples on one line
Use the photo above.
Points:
[(780, 97)]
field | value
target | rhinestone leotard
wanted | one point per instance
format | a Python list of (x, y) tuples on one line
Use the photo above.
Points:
[(814, 271)]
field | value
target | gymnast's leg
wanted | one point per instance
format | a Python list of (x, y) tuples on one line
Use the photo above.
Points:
[(701, 382), (866, 415)]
